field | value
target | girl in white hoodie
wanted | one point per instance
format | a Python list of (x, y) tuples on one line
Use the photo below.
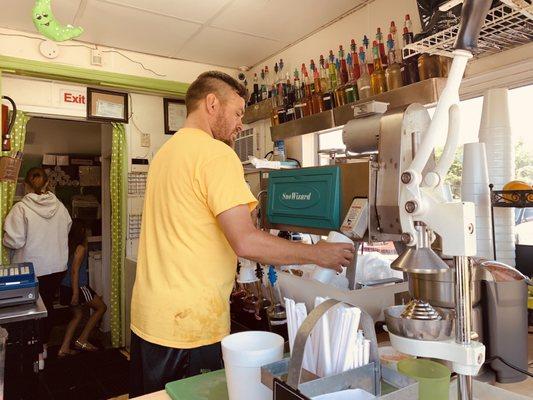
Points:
[(37, 230)]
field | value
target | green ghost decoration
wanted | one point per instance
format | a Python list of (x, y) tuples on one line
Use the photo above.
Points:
[(47, 25)]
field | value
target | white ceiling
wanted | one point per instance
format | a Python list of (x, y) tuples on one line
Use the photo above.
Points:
[(229, 33)]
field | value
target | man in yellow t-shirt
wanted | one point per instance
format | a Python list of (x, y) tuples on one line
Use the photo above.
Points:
[(196, 221)]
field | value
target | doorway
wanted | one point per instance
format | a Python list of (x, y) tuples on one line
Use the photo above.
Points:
[(76, 154)]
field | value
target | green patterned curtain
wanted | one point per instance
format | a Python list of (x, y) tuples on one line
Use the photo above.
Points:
[(118, 229), (7, 189)]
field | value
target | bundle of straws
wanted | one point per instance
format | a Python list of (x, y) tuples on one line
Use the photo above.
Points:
[(336, 344)]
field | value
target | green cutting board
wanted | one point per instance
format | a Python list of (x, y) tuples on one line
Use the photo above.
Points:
[(210, 386)]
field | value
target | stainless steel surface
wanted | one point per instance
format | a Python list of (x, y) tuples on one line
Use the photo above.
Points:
[(421, 310), (490, 267), (426, 93), (360, 135), (295, 364), (258, 111), (367, 377), (310, 124), (23, 312), (439, 289), (420, 329), (397, 127), (407, 387), (464, 387), (364, 377), (351, 270), (463, 311), (420, 261)]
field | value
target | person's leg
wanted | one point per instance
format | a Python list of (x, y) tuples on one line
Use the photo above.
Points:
[(152, 366), (47, 295), (48, 286), (71, 328), (205, 359), (99, 308), (136, 378)]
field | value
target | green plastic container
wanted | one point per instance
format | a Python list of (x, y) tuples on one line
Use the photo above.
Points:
[(433, 378)]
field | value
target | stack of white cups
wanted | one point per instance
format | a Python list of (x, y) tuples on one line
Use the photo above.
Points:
[(495, 132), (475, 189)]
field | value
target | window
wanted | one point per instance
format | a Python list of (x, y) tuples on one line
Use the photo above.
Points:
[(520, 100)]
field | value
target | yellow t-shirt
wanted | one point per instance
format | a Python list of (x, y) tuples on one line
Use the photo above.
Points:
[(185, 266)]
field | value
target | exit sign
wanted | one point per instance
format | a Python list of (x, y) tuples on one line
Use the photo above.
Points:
[(73, 98)]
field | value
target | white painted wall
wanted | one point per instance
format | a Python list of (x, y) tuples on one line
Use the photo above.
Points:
[(378, 13), (77, 54), (40, 97)]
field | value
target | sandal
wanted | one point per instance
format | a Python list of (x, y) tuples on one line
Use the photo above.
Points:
[(85, 346), (63, 354)]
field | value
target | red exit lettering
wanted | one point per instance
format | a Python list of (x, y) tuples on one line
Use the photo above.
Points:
[(70, 98)]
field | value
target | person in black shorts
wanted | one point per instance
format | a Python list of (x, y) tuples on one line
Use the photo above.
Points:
[(76, 293)]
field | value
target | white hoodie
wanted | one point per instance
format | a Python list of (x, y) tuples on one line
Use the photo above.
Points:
[(37, 229)]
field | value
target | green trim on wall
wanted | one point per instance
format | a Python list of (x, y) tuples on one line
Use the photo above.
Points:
[(50, 70)]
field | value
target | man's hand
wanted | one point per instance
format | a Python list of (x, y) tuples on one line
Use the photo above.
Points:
[(334, 255), (248, 242)]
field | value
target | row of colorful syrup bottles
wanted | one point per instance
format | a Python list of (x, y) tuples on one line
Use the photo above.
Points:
[(356, 74)]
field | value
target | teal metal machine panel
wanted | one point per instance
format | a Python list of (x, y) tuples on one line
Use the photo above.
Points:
[(307, 197)]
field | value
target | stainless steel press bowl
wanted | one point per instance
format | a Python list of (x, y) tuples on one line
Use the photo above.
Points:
[(439, 289), (432, 330)]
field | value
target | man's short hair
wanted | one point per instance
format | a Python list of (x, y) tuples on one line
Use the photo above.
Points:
[(212, 82)]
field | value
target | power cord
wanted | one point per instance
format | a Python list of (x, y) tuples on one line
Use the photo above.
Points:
[(88, 47), (130, 118), (522, 371), (135, 62)]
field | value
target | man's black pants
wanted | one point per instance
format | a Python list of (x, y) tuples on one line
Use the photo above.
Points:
[(152, 366)]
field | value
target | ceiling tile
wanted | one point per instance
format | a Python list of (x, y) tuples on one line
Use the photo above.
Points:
[(19, 16), (283, 20), (131, 29), (219, 47), (193, 10)]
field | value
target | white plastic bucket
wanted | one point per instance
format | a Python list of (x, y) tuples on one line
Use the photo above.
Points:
[(244, 353)]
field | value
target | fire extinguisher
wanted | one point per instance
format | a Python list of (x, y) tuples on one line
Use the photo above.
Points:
[(8, 127)]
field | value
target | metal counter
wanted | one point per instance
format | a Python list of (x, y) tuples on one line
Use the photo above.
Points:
[(23, 312)]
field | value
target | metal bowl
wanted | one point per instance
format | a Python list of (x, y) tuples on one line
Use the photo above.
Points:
[(420, 329), (439, 289)]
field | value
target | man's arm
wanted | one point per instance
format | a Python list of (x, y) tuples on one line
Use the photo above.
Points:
[(253, 244)]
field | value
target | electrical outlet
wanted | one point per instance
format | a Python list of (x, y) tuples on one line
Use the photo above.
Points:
[(96, 57), (145, 140)]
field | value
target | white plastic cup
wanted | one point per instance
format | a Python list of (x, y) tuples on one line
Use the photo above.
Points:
[(325, 275), (495, 112), (247, 275), (505, 254), (244, 353), (509, 261), (475, 164)]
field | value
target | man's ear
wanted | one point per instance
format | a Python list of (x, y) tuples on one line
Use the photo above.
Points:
[(212, 103)]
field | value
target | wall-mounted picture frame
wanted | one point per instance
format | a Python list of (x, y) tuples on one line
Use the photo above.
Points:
[(107, 106), (175, 114)]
